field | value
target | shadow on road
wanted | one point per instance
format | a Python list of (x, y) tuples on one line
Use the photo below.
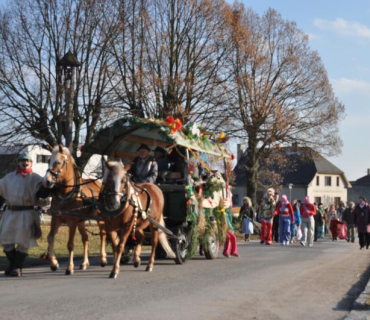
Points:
[(346, 303)]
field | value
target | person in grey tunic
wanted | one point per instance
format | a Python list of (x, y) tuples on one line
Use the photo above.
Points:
[(144, 168), (20, 190)]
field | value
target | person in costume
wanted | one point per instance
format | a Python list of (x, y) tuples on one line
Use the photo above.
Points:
[(362, 220), (348, 218), (246, 215), (268, 206), (144, 168), (319, 222), (276, 219), (20, 190), (332, 216), (308, 211), (297, 221), (284, 211)]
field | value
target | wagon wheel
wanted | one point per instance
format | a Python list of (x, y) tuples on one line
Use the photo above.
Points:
[(212, 251), (180, 246)]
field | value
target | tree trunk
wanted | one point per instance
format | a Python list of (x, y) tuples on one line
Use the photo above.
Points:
[(252, 165)]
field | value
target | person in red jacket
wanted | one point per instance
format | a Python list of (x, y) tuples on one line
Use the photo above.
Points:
[(308, 210), (286, 217)]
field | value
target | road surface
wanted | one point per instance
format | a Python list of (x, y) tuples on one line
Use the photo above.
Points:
[(266, 282)]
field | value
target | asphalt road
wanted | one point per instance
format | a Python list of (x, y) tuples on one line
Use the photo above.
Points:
[(266, 282)]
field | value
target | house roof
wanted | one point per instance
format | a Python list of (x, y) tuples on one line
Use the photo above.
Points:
[(304, 168), (363, 181)]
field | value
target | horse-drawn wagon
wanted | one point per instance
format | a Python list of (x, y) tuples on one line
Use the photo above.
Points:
[(197, 197)]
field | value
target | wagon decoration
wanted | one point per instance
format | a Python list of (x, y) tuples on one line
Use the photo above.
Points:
[(197, 197)]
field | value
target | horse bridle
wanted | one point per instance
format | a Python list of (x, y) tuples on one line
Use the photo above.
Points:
[(76, 189), (123, 201), (57, 174)]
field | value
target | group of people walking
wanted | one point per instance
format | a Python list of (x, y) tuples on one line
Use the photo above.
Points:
[(306, 222)]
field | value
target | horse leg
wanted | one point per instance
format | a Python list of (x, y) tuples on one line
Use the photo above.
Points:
[(115, 241), (119, 252), (154, 247), (140, 239), (70, 246), (103, 238), (85, 241), (54, 226)]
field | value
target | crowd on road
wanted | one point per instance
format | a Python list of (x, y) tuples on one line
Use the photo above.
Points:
[(304, 221)]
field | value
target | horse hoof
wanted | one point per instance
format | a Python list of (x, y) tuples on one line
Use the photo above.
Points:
[(137, 264), (54, 268), (103, 263), (83, 267), (149, 268), (69, 272), (113, 275)]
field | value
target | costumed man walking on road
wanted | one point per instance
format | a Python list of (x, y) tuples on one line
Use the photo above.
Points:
[(308, 211), (20, 223), (144, 168), (284, 211), (268, 207)]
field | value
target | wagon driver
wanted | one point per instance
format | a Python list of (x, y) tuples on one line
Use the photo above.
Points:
[(144, 168), (20, 223)]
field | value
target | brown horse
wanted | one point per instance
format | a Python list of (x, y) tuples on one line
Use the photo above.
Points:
[(74, 195), (128, 206)]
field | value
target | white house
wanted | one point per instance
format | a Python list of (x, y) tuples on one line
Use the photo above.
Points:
[(314, 176)]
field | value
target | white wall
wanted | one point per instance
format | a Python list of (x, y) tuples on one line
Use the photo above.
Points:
[(327, 193), (296, 193), (39, 168)]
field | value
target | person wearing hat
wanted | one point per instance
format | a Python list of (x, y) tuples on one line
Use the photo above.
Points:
[(144, 168), (162, 162), (19, 225)]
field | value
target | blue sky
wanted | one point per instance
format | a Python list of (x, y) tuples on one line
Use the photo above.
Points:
[(340, 31)]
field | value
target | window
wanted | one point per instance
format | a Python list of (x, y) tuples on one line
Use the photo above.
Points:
[(337, 181), (41, 158), (317, 180), (317, 200), (328, 181)]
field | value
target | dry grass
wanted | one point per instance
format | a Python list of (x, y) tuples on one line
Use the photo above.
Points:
[(60, 246)]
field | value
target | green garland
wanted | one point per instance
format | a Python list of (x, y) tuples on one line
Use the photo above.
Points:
[(211, 186)]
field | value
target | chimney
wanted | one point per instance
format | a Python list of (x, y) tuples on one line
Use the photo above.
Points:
[(368, 171), (239, 151)]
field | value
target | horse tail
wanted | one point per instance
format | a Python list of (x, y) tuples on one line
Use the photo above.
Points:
[(164, 241)]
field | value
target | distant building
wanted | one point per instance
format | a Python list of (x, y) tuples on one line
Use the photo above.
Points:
[(360, 188), (316, 177)]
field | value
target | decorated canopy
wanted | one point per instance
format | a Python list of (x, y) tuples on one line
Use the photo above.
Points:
[(123, 137)]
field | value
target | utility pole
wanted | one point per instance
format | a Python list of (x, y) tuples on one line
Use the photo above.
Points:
[(68, 63)]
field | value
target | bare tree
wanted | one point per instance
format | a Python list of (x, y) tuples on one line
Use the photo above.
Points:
[(170, 59), (279, 92), (34, 36)]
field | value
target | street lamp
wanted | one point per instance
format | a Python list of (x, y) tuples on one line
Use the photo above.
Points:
[(67, 64), (290, 191)]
